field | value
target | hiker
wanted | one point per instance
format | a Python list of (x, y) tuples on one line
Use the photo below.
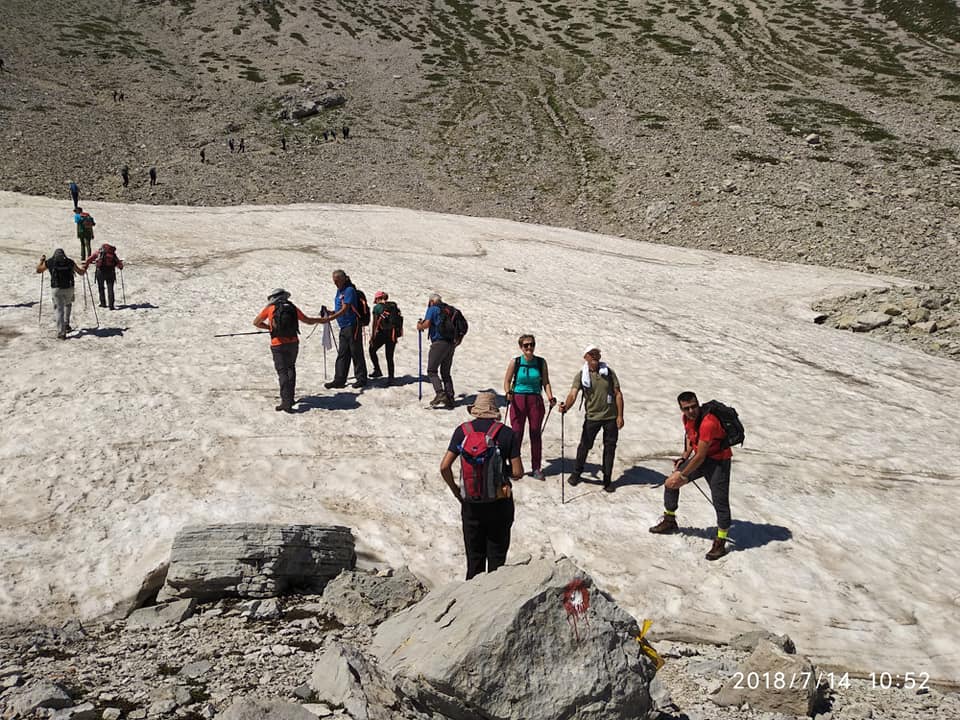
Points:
[(486, 519), (346, 132), (325, 136), (107, 263), (62, 269), (203, 156), (230, 144), (243, 147), (114, 95), (281, 318), (442, 347), (120, 97), (283, 143), (386, 330), (75, 193), (348, 311), (703, 457), (603, 403), (1, 64), (125, 175), (524, 383), (85, 224), (153, 176)]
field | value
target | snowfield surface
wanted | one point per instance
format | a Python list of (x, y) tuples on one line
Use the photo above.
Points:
[(844, 495)]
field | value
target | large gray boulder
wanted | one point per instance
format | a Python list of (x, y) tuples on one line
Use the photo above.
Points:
[(256, 560), (773, 681), (507, 645), (363, 598), (263, 709), (343, 677)]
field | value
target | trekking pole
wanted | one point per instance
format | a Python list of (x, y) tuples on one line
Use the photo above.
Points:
[(420, 365), (703, 493), (549, 410), (92, 303), (252, 332), (123, 289), (563, 417), (40, 313)]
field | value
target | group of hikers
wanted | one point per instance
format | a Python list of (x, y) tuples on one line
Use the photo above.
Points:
[(489, 450)]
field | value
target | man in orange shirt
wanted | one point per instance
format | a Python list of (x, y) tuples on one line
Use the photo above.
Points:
[(281, 317), (704, 455)]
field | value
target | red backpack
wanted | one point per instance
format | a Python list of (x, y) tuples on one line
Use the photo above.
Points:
[(107, 258), (481, 466)]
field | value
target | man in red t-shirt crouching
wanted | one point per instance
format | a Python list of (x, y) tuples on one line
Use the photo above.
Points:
[(703, 457)]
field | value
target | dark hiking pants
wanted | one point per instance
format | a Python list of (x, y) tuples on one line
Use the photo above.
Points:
[(486, 534), (439, 362), (611, 433), (106, 278), (717, 474), (285, 362), (350, 349), (382, 340)]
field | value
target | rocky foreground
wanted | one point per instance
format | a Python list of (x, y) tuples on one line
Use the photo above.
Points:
[(535, 640)]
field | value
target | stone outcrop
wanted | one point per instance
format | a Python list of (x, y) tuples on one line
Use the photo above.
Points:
[(161, 615), (256, 560), (536, 641), (773, 681), (360, 598)]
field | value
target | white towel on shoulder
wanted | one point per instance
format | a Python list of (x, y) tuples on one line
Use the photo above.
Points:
[(585, 374)]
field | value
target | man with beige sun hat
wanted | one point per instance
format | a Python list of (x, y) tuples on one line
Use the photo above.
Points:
[(489, 459)]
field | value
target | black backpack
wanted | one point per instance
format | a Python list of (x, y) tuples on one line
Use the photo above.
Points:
[(728, 418), (453, 325), (285, 323), (362, 310), (537, 363), (61, 272), (391, 320)]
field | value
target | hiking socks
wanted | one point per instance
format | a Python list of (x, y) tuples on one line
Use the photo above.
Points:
[(722, 534)]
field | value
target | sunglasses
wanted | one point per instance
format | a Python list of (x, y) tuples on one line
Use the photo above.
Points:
[(529, 345)]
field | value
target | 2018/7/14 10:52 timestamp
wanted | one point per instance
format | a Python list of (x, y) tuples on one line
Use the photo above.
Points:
[(908, 680)]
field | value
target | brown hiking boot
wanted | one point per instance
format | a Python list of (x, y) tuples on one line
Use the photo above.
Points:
[(666, 525), (718, 550)]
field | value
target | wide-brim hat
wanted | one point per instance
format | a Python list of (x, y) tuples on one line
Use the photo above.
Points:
[(485, 406), (590, 349), (278, 294)]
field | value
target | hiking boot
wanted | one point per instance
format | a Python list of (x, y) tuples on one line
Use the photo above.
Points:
[(61, 336), (334, 384), (359, 384), (608, 486), (574, 479), (68, 329), (438, 400), (538, 475), (448, 403), (718, 550), (375, 374), (284, 408), (103, 304), (666, 526)]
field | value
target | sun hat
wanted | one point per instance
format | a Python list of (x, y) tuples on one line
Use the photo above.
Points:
[(278, 294), (590, 348), (485, 406), (380, 294)]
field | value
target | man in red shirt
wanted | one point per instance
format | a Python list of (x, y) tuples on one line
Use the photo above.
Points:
[(703, 457), (281, 318)]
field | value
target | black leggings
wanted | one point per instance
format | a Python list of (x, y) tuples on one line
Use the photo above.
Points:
[(382, 340)]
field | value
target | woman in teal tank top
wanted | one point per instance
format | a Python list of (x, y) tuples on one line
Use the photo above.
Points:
[(525, 380)]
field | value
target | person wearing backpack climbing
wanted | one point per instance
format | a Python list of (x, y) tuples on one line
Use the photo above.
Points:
[(351, 313), (281, 317), (386, 330), (446, 326), (524, 383), (705, 455), (85, 224), (107, 262), (489, 459), (603, 403), (62, 269), (75, 193)]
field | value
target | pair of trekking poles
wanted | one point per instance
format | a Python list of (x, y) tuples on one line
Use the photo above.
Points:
[(86, 288)]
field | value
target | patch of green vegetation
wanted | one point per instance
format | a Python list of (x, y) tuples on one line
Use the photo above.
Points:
[(252, 74), (821, 158), (724, 17), (779, 87), (930, 18), (5, 108), (297, 36), (949, 98), (293, 78), (753, 157), (808, 114)]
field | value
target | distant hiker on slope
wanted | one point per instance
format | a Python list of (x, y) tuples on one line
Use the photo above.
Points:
[(524, 382), (386, 330), (352, 314), (281, 317), (447, 327), (153, 176), (85, 223), (125, 176), (704, 456), (75, 193), (107, 262), (603, 403), (62, 269), (489, 458)]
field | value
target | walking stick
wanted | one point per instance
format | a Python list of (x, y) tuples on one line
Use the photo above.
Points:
[(40, 313), (549, 410), (123, 289), (563, 417), (420, 365), (92, 303)]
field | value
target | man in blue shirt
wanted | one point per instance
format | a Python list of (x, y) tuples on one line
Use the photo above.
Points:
[(440, 357), (346, 312)]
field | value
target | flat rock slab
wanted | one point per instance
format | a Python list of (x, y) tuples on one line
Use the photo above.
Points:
[(256, 560), (260, 709), (535, 641), (162, 615)]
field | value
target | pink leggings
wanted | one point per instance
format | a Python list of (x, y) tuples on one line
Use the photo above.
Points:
[(522, 409)]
